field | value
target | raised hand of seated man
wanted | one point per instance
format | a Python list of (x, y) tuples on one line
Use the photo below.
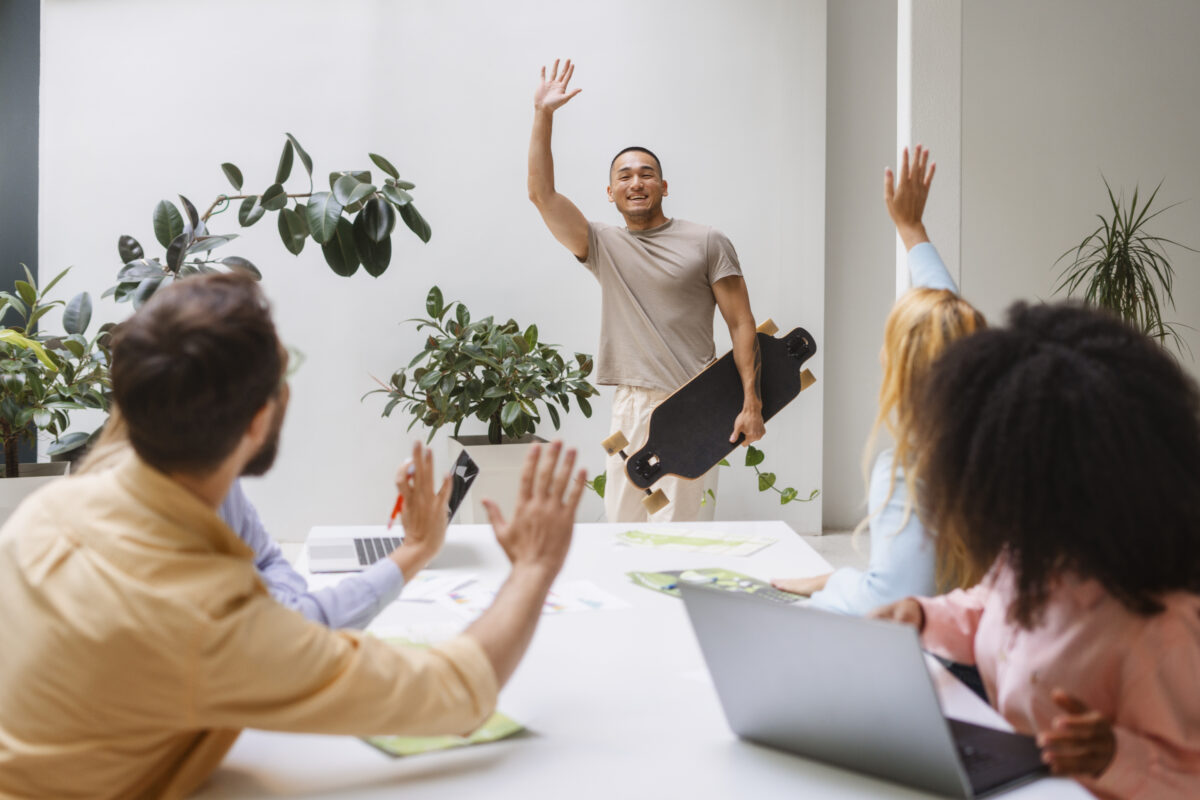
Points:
[(425, 514)]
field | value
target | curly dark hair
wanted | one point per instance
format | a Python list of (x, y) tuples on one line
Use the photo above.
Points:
[(1069, 443)]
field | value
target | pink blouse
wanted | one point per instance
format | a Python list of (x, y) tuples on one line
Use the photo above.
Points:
[(1141, 672)]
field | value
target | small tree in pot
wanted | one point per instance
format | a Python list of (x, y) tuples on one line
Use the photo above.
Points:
[(494, 372), (43, 378)]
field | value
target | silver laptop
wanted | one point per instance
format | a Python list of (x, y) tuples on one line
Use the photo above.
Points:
[(330, 552), (849, 691)]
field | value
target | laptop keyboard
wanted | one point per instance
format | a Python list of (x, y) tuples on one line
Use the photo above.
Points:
[(371, 550)]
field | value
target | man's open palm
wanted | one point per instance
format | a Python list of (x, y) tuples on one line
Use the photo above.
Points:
[(553, 93)]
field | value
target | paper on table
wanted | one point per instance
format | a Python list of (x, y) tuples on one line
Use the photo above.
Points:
[(498, 726), (711, 542), (472, 599)]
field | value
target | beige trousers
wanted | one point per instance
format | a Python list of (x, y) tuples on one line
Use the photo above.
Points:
[(690, 500)]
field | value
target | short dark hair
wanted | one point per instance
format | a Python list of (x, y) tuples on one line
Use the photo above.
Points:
[(191, 369), (1066, 442), (638, 149)]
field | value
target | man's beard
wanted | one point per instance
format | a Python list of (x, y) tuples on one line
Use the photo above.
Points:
[(265, 457)]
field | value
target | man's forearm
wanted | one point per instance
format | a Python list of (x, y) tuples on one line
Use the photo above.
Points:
[(541, 159), (748, 359), (506, 628)]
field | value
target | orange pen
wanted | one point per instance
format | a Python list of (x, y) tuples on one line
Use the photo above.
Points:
[(399, 500)]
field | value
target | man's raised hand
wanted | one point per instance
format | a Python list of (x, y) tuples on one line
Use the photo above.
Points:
[(553, 93)]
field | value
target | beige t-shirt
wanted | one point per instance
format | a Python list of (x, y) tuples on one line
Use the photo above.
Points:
[(657, 303)]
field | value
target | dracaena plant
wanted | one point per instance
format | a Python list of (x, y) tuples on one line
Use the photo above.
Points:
[(495, 372), (43, 377), (1124, 268), (352, 223)]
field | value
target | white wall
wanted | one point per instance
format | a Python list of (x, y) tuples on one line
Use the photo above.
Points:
[(1054, 94), (143, 99), (859, 240)]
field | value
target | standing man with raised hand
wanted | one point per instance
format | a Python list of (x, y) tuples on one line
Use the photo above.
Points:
[(660, 280)]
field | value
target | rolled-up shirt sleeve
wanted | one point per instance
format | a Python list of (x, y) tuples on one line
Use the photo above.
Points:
[(951, 621)]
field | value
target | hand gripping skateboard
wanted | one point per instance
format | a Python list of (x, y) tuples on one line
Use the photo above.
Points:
[(689, 431)]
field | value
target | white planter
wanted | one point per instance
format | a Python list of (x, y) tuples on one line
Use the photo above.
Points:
[(499, 474), (33, 477)]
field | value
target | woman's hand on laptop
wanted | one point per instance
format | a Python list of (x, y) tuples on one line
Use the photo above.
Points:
[(802, 586), (425, 514), (907, 612)]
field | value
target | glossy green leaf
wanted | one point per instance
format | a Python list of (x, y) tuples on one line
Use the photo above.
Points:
[(323, 213), (168, 223), (349, 190), (362, 176), (375, 255), (397, 195), (765, 480), (284, 170), (339, 251), (129, 249), (206, 244), (67, 443), (378, 219), (250, 212), (305, 158), (584, 406), (192, 216), (233, 174), (239, 263), (275, 197), (384, 165), (137, 270), (175, 254), (754, 456), (787, 496), (292, 231), (510, 412), (415, 222), (724, 462), (434, 304), (78, 313), (145, 290), (27, 293)]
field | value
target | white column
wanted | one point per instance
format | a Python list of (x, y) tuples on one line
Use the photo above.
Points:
[(929, 112)]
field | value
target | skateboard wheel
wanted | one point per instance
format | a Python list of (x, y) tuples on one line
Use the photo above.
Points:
[(807, 379), (768, 327), (655, 502), (615, 443)]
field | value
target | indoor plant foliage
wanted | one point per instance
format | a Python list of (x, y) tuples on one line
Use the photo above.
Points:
[(1125, 269), (494, 372), (43, 378), (352, 223)]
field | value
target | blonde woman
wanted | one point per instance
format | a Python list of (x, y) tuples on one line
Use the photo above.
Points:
[(905, 559)]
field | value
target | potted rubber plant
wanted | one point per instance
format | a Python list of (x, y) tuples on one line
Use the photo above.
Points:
[(1122, 267), (43, 378), (497, 373), (352, 223)]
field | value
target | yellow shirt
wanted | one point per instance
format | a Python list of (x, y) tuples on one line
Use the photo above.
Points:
[(136, 640)]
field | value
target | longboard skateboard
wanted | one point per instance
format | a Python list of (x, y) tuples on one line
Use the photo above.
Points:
[(689, 431)]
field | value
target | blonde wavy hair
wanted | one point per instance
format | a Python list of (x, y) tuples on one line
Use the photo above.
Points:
[(922, 324)]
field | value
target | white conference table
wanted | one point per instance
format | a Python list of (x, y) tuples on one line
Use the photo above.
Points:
[(617, 703)]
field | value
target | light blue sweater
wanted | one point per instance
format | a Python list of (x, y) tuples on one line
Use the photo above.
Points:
[(902, 555)]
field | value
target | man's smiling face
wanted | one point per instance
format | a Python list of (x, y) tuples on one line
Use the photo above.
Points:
[(637, 187)]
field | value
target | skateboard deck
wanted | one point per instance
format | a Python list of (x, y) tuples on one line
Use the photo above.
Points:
[(689, 431)]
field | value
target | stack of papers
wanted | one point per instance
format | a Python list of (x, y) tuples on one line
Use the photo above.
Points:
[(711, 542)]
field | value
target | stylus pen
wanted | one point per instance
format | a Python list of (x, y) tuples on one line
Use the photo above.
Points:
[(400, 499)]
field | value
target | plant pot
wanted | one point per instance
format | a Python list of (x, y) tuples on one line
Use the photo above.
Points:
[(33, 477), (499, 473)]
